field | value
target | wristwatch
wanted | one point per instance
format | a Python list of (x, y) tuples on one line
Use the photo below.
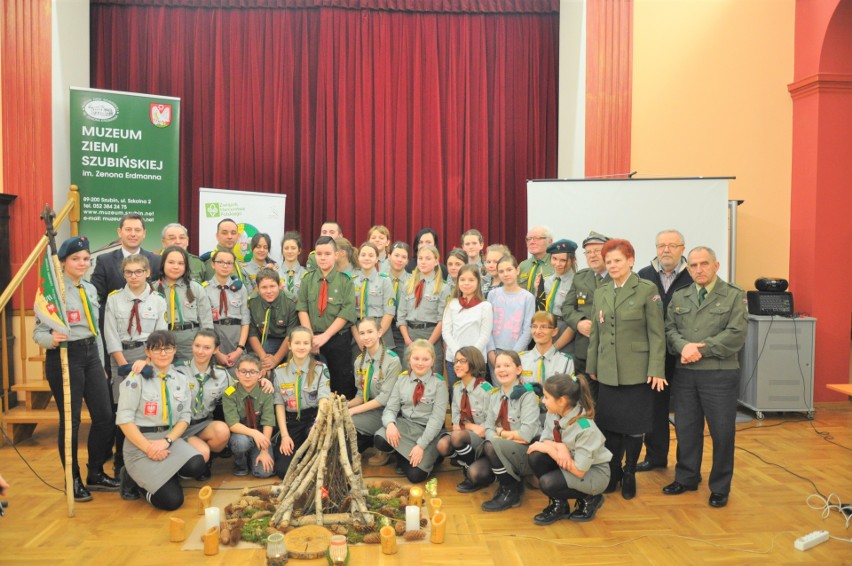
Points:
[(169, 440)]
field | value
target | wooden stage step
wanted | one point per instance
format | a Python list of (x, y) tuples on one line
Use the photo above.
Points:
[(20, 422)]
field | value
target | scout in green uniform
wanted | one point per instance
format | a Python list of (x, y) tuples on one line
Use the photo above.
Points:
[(579, 302), (421, 306), (374, 296), (250, 414), (376, 371), (535, 268), (556, 288), (471, 396), (706, 328), (227, 235), (414, 415), (229, 301), (512, 423), (326, 305), (627, 357), (175, 234), (260, 245), (331, 229), (154, 410), (188, 305), (570, 459), (273, 315), (291, 272)]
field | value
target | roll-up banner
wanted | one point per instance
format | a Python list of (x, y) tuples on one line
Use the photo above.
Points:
[(253, 212)]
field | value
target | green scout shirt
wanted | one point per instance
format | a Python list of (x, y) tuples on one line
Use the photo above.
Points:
[(579, 305), (282, 316), (628, 340), (196, 269), (234, 406), (720, 323), (526, 269), (341, 299)]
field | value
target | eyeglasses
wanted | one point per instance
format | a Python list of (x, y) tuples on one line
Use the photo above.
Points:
[(164, 350), (669, 246), (534, 238), (542, 327), (592, 252), (134, 272), (460, 361), (223, 262), (249, 372)]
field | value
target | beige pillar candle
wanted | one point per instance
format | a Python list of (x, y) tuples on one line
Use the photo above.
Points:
[(205, 495), (435, 504), (211, 541), (415, 496), (439, 527), (177, 529), (388, 535)]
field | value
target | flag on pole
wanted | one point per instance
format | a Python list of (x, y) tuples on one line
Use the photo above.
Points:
[(48, 306)]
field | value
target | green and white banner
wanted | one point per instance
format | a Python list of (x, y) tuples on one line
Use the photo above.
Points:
[(125, 152), (253, 212)]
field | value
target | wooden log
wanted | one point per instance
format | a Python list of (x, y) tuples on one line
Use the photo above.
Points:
[(327, 519)]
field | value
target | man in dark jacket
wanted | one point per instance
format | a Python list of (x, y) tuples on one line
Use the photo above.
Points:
[(668, 272)]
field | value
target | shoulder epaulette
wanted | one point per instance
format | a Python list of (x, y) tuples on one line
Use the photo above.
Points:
[(183, 363), (493, 390), (404, 373), (347, 274), (583, 422), (204, 283), (485, 386), (458, 384), (569, 356), (217, 366), (522, 353), (111, 293), (281, 365), (734, 285), (391, 352), (439, 376), (383, 275), (359, 356), (312, 252), (205, 256)]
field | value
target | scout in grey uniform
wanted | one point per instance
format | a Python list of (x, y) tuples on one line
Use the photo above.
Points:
[(570, 459), (557, 285), (229, 303), (399, 278), (470, 399), (422, 318), (544, 359), (154, 412), (706, 327), (512, 414), (299, 386), (188, 305), (260, 245), (416, 409), (291, 279), (375, 376), (85, 367), (374, 298), (207, 387)]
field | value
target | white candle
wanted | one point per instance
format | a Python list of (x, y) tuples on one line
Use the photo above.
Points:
[(211, 518), (412, 518)]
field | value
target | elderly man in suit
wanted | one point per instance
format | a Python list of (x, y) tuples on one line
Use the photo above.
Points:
[(706, 328)]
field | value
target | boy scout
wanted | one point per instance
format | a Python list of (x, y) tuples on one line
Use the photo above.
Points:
[(706, 326), (250, 415), (273, 315), (326, 305)]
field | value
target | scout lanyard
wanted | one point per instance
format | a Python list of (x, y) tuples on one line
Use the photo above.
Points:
[(290, 274), (395, 295), (363, 303), (541, 370), (166, 399), (174, 304), (265, 326), (549, 303), (87, 308), (531, 279), (368, 382)]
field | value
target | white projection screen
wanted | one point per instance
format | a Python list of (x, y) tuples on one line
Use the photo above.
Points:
[(634, 209)]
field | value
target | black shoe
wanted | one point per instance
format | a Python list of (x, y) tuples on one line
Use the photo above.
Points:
[(676, 488), (718, 499), (614, 480), (586, 508), (99, 481), (81, 494), (628, 485), (129, 490), (646, 466), (506, 497), (467, 486), (208, 471), (556, 511)]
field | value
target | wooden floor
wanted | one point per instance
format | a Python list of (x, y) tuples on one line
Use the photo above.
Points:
[(766, 513)]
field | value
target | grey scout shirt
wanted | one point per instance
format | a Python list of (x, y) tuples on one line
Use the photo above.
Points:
[(291, 279), (382, 377), (523, 414), (198, 311), (554, 362), (431, 309), (118, 327), (212, 384), (429, 413), (380, 300), (479, 396), (75, 317), (236, 302), (557, 298), (720, 323), (583, 438), (293, 390), (141, 400)]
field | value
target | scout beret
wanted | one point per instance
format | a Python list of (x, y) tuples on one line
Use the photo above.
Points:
[(595, 238), (562, 246), (72, 246)]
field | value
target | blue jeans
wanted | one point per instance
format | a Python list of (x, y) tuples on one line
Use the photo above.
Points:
[(245, 455)]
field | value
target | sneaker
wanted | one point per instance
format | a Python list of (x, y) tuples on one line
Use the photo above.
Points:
[(240, 471)]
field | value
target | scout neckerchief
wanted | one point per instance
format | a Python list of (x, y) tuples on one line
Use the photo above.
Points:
[(418, 292), (290, 283), (549, 303), (531, 280), (251, 417), (419, 389), (503, 414), (166, 399), (87, 308), (557, 431), (466, 415), (395, 294), (368, 380), (541, 369), (298, 389), (322, 298), (363, 299), (174, 305), (134, 314), (199, 395), (223, 301)]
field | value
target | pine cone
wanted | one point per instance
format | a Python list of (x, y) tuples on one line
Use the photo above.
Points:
[(399, 528), (403, 501), (372, 538), (389, 486), (423, 523), (387, 512), (341, 530), (412, 536), (363, 527), (384, 497)]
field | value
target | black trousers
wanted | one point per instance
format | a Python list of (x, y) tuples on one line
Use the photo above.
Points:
[(337, 353), (298, 429), (658, 440), (89, 382)]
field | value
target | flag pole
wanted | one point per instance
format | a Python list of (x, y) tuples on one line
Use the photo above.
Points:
[(48, 216)]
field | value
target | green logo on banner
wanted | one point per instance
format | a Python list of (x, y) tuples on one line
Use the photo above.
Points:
[(212, 210)]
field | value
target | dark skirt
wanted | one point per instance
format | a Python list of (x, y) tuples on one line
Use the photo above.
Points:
[(624, 409)]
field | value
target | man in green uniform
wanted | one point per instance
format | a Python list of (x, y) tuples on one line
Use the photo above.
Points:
[(534, 269), (175, 234), (706, 327), (330, 228), (326, 305)]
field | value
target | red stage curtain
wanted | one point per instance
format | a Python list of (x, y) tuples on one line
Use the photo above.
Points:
[(408, 119)]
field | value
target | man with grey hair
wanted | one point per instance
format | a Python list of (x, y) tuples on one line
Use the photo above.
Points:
[(668, 272), (535, 268), (706, 329), (176, 234)]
